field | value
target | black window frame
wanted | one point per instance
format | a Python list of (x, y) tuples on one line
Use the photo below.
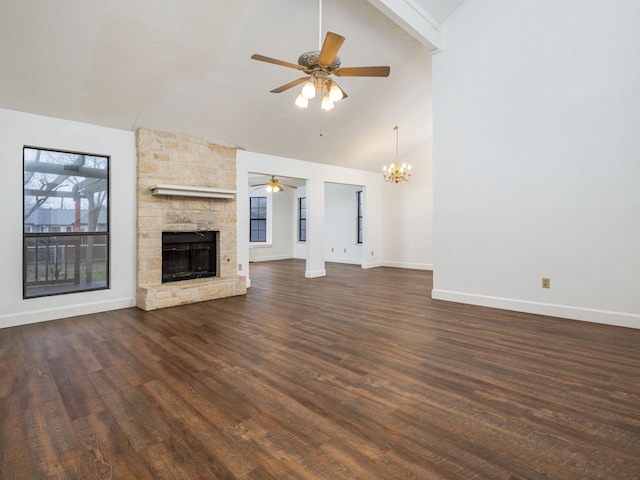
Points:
[(302, 219), (50, 263), (257, 220), (359, 217)]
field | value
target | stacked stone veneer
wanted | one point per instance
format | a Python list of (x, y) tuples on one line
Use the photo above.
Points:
[(176, 159)]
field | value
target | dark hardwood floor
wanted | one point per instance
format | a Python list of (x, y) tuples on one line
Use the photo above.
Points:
[(357, 375)]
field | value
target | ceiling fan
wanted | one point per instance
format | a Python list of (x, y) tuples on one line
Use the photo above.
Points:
[(319, 65), (273, 185)]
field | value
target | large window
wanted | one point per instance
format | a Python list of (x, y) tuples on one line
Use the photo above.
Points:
[(359, 203), (302, 219), (258, 219), (66, 222)]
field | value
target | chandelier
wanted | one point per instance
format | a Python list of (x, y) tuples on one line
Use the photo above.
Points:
[(395, 173)]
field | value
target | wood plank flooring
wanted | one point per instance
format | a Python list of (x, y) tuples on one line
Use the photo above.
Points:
[(357, 375)]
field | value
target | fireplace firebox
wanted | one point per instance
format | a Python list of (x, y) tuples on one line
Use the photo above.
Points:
[(188, 255)]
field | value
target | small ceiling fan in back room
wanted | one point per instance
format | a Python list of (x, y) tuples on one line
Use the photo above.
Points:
[(318, 66), (273, 185)]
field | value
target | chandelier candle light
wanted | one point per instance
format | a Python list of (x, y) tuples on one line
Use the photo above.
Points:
[(395, 173)]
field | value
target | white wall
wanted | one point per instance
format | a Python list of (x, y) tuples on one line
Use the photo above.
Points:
[(407, 210), (20, 129), (537, 158), (281, 239), (339, 224), (341, 240), (317, 176)]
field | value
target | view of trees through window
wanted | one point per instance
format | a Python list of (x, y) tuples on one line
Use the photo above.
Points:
[(66, 222)]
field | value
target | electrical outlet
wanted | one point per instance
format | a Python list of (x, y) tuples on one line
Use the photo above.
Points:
[(239, 267), (546, 282), (345, 250), (333, 249), (372, 253)]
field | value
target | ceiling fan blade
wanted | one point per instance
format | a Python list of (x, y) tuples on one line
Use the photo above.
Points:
[(275, 61), (330, 47), (363, 72), (290, 186), (289, 85), (258, 185)]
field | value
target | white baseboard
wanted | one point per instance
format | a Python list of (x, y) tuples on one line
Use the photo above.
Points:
[(268, 258), (413, 266), (373, 264), (607, 317), (36, 316), (315, 273)]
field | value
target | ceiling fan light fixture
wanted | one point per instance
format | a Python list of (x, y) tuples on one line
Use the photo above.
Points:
[(301, 101), (327, 103), (335, 93), (273, 185), (308, 90)]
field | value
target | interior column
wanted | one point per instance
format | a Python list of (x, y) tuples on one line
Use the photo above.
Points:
[(315, 229)]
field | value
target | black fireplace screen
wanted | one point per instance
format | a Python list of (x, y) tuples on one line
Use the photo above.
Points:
[(187, 255)]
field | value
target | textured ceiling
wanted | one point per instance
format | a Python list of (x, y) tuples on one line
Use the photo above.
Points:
[(184, 66)]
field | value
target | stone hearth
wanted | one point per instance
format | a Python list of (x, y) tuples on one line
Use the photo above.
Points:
[(182, 160)]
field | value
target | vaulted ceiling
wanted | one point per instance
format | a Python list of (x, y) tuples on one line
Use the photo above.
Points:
[(185, 66)]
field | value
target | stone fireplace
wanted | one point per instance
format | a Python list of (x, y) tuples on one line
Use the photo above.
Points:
[(185, 185)]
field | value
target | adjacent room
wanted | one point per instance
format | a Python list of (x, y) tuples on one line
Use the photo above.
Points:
[(375, 239)]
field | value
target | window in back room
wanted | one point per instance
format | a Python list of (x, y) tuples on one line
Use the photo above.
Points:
[(302, 219), (360, 217), (258, 219)]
